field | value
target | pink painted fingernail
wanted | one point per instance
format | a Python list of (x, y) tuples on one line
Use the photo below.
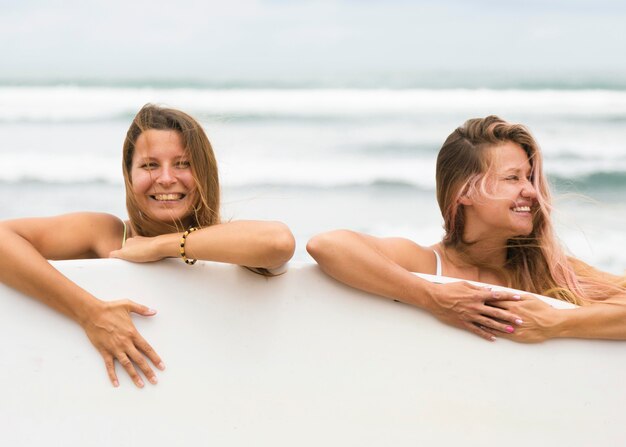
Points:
[(140, 383), (517, 297), (161, 366), (153, 380), (510, 329), (492, 338), (519, 321)]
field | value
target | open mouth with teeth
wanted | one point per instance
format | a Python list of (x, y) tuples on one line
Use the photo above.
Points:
[(521, 209), (168, 197)]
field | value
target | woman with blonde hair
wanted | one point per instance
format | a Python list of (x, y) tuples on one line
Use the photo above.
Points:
[(496, 206), (173, 202)]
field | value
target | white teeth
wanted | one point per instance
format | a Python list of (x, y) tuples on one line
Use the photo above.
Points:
[(165, 197), (522, 209)]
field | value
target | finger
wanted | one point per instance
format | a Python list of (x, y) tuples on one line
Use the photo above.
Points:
[(501, 295), (109, 364), (143, 365), (141, 309), (130, 369), (480, 331), (490, 324), (500, 314), (143, 346), (114, 254)]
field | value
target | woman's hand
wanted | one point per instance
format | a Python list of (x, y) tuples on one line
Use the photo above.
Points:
[(540, 319), (464, 305), (138, 249), (114, 335)]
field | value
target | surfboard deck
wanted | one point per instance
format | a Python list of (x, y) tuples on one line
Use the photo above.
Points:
[(299, 359), (557, 304)]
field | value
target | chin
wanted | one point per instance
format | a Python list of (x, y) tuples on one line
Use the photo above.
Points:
[(524, 232), (169, 216)]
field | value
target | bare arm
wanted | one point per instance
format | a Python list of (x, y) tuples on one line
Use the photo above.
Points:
[(250, 243), (384, 266), (602, 320), (26, 243)]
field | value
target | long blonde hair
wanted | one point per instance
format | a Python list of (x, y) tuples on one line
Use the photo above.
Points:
[(203, 168), (535, 262)]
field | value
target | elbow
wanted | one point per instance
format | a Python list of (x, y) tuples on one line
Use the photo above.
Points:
[(282, 245), (326, 246)]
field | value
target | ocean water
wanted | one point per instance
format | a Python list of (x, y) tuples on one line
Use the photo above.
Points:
[(320, 158)]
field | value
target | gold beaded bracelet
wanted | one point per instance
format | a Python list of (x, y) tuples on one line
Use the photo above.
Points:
[(183, 239)]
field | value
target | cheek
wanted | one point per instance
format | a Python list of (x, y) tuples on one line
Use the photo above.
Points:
[(189, 182), (141, 182), (503, 193)]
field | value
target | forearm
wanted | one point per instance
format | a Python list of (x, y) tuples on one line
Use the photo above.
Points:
[(606, 320), (250, 243), (23, 268), (349, 258)]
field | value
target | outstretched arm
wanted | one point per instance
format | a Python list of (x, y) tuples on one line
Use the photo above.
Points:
[(27, 243), (384, 266), (601, 320), (251, 243)]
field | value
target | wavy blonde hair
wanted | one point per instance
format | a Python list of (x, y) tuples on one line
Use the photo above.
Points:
[(535, 262), (203, 167)]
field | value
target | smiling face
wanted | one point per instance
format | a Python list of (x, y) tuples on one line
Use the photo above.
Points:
[(508, 207), (161, 176)]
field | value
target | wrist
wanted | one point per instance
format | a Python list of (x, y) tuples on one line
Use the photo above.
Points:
[(166, 245), (561, 323), (424, 294), (90, 307)]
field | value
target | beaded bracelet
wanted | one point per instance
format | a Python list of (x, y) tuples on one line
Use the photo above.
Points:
[(183, 239)]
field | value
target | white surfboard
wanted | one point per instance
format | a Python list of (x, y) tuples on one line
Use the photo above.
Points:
[(557, 304), (296, 360)]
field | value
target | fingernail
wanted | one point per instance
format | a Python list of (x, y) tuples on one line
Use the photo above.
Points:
[(492, 338), (116, 383), (495, 294), (152, 311), (161, 366), (153, 380), (140, 383), (510, 329), (519, 321), (517, 297)]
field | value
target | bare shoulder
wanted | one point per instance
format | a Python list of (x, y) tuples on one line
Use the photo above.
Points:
[(408, 254), (68, 236)]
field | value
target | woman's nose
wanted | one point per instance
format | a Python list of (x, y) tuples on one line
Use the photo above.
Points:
[(529, 190), (166, 176)]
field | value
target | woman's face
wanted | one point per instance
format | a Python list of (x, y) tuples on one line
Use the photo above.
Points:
[(161, 176), (507, 210)]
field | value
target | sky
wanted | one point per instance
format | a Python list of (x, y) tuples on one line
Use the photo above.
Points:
[(311, 40)]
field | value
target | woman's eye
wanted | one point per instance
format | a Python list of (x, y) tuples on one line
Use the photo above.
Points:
[(149, 166), (513, 178), (183, 164)]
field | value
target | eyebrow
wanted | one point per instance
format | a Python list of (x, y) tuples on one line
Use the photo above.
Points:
[(149, 158), (517, 170)]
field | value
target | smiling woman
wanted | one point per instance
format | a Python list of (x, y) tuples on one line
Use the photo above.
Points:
[(496, 207), (163, 183), (173, 199)]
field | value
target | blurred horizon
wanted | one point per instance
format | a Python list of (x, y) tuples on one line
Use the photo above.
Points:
[(431, 80)]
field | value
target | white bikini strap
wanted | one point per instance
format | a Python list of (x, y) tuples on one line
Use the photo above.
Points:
[(439, 272)]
